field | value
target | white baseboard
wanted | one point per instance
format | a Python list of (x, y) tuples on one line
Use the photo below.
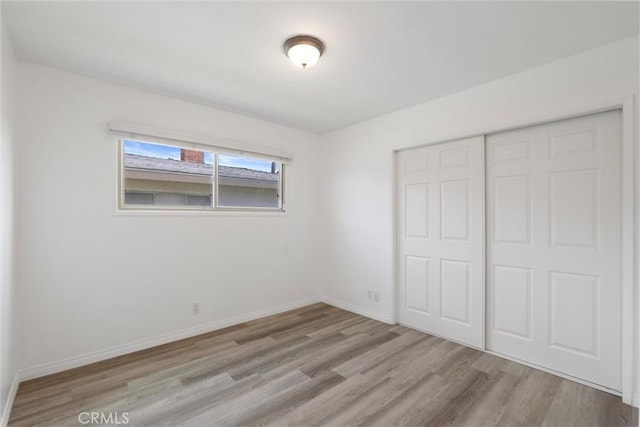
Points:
[(382, 317), (97, 356), (6, 411)]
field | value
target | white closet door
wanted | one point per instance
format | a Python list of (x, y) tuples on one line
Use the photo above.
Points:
[(553, 240), (441, 248)]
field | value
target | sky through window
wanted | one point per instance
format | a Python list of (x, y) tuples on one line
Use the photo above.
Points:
[(168, 152)]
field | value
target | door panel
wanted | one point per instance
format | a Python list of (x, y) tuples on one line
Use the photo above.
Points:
[(454, 290), (417, 209), (418, 283), (512, 300), (454, 205), (441, 225), (553, 246)]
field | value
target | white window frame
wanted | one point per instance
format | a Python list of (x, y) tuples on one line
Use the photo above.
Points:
[(194, 142)]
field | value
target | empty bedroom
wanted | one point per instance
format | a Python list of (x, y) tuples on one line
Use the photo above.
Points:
[(340, 213)]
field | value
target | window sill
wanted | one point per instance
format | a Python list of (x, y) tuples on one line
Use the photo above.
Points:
[(222, 212)]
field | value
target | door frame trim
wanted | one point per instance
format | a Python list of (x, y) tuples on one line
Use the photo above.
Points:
[(630, 199), (630, 209)]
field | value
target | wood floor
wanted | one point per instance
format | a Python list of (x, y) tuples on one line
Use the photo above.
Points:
[(317, 365)]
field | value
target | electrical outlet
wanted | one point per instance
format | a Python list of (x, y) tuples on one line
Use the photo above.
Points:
[(369, 294), (376, 296), (195, 308)]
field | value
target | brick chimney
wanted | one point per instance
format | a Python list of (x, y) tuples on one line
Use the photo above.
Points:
[(191, 156)]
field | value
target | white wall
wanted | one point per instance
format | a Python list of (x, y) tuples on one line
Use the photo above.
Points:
[(93, 280), (9, 348), (358, 197)]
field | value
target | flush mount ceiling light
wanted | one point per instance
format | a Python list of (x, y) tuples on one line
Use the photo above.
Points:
[(303, 51)]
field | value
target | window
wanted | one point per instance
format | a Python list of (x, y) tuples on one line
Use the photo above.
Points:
[(165, 177), (243, 181)]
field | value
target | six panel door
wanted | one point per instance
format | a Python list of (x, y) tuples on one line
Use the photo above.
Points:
[(440, 240), (554, 246)]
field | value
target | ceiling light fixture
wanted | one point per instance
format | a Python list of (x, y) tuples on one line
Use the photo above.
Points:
[(303, 51)]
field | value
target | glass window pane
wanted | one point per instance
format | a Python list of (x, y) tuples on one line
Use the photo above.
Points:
[(248, 182), (171, 199), (168, 173), (197, 200), (131, 198)]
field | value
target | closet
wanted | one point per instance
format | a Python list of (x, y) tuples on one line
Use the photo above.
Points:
[(518, 252), (440, 213)]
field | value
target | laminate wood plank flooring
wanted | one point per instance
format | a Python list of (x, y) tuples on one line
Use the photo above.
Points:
[(315, 366)]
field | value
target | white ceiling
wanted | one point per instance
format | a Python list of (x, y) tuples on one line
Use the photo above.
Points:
[(380, 57)]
